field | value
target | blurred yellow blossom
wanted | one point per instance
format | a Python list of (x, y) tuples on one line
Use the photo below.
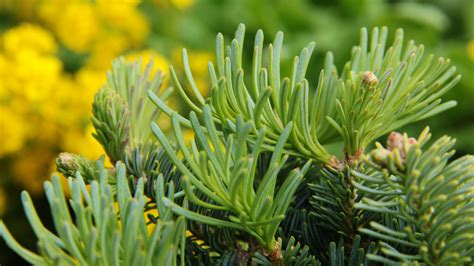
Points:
[(110, 46), (4, 74), (75, 23), (28, 64), (126, 18), (78, 135), (65, 105), (470, 50), (198, 62), (28, 37), (188, 136), (82, 142), (29, 73), (12, 131), (159, 61), (32, 76), (89, 81)]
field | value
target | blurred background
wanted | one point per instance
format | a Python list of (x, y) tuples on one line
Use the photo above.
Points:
[(54, 55)]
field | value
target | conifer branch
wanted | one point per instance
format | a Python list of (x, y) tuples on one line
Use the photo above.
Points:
[(223, 170), (432, 197), (378, 91), (381, 90), (98, 233), (247, 182)]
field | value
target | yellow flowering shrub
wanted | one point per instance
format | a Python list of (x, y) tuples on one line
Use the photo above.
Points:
[(81, 25), (29, 72), (33, 75), (37, 99), (110, 46), (124, 18), (28, 37), (45, 104), (75, 34)]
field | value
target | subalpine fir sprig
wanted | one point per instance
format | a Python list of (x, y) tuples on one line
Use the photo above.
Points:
[(130, 85), (102, 229), (382, 90), (255, 138), (430, 198), (379, 90), (224, 171), (121, 115), (269, 100), (121, 112)]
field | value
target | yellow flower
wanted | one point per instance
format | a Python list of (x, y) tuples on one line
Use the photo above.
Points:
[(12, 131), (4, 75), (182, 4), (188, 136), (470, 50), (159, 62), (28, 37), (104, 50), (32, 76), (49, 10), (65, 107), (82, 142), (31, 82), (198, 62), (126, 18), (77, 25), (88, 82)]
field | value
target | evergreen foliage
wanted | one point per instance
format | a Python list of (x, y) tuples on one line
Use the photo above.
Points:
[(103, 229), (259, 184)]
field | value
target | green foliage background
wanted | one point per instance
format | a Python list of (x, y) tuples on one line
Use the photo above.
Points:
[(445, 27)]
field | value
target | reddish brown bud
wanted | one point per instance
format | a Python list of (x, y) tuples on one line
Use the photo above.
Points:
[(369, 78), (395, 141)]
